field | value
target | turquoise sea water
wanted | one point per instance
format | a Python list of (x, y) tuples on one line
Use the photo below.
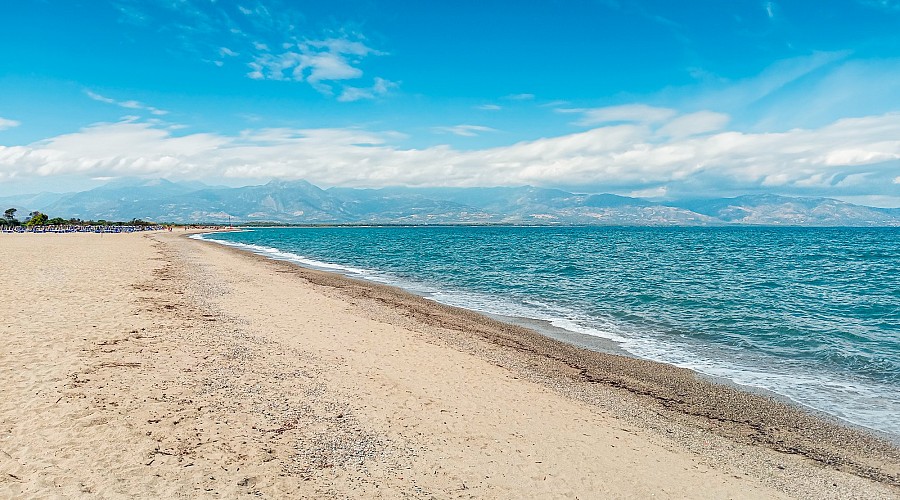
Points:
[(811, 314)]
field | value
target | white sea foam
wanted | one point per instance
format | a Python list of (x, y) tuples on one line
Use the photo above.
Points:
[(869, 404), (277, 254)]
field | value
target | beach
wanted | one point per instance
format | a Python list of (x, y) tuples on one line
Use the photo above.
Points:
[(153, 365)]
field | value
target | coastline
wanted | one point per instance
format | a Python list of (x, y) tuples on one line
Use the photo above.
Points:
[(734, 411), (216, 362), (612, 347), (576, 336)]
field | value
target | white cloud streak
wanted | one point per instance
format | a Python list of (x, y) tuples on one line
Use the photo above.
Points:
[(856, 156), (129, 104), (627, 113), (748, 92), (464, 130), (520, 97), (6, 123), (701, 122)]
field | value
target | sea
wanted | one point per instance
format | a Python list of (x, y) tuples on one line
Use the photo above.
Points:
[(808, 314)]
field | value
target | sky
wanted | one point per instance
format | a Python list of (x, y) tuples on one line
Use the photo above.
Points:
[(657, 99)]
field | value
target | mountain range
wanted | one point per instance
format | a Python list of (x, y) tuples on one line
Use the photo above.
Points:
[(299, 202)]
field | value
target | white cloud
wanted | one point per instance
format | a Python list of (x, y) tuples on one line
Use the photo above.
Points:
[(655, 192), (6, 123), (343, 46), (520, 97), (701, 122), (378, 89), (329, 67), (489, 107), (849, 157), (464, 130), (629, 113), (130, 104), (274, 43), (321, 63)]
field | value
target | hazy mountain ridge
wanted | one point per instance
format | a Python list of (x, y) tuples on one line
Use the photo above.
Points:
[(774, 209), (300, 202)]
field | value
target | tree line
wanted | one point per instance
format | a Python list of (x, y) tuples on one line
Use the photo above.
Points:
[(37, 218)]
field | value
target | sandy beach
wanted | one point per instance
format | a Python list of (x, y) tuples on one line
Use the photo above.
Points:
[(153, 365)]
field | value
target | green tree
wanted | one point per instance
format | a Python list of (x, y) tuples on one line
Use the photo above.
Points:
[(9, 217), (57, 221), (36, 219)]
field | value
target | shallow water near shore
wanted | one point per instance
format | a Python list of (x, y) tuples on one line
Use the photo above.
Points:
[(811, 314)]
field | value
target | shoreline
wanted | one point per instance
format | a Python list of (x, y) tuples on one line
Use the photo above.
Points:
[(609, 346), (576, 339), (160, 366), (730, 410)]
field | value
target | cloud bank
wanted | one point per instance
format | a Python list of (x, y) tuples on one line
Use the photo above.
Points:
[(690, 154)]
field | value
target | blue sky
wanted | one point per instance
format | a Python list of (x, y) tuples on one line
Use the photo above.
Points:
[(652, 98)]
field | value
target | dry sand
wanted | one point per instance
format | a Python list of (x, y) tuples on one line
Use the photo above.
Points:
[(141, 365)]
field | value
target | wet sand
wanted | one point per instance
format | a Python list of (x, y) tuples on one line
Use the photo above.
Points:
[(158, 366)]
